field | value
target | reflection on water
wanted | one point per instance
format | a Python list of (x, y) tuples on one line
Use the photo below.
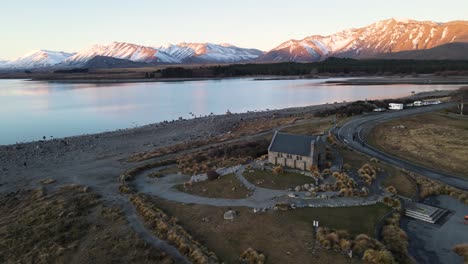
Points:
[(30, 110)]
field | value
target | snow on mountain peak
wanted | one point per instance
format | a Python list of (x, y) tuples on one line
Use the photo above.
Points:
[(37, 59), (209, 52), (391, 35), (121, 50)]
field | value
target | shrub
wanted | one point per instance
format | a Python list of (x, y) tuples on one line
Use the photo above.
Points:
[(395, 239), (212, 175), (391, 189), (378, 257), (313, 168), (346, 167), (278, 170), (461, 250), (363, 242), (251, 256), (367, 173)]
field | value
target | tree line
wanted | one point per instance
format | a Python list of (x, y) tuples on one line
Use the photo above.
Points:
[(329, 66)]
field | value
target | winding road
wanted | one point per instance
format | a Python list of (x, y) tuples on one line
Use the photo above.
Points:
[(359, 127)]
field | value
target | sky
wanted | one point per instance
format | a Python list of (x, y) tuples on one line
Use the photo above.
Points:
[(66, 25)]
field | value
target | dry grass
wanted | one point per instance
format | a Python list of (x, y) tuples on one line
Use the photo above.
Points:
[(240, 129), (403, 184), (167, 228), (68, 225), (434, 140), (317, 127), (226, 155), (280, 181), (251, 127), (227, 186), (282, 236)]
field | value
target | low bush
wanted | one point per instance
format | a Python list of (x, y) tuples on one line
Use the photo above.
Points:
[(212, 175), (378, 257), (367, 173), (251, 256), (278, 170), (461, 250)]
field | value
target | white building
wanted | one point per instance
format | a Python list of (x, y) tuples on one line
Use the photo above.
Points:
[(395, 106)]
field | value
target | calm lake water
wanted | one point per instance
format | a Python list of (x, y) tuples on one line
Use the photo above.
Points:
[(31, 110)]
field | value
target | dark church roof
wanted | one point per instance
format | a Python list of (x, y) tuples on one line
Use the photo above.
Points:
[(292, 144)]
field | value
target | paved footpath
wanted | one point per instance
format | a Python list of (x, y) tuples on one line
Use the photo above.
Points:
[(260, 198)]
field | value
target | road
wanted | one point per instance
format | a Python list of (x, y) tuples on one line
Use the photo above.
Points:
[(358, 127)]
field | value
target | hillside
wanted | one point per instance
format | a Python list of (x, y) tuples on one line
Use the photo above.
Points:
[(450, 51), (385, 36)]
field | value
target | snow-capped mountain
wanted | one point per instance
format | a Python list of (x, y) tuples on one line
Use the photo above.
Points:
[(385, 36), (170, 54), (210, 53), (37, 59), (121, 50)]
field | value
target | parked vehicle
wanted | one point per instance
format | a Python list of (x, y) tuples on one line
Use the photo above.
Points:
[(395, 106)]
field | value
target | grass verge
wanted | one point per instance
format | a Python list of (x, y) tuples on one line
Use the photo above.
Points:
[(227, 186), (282, 181)]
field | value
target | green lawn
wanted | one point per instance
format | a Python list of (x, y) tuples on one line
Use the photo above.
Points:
[(267, 179), (227, 186), (356, 220), (283, 236)]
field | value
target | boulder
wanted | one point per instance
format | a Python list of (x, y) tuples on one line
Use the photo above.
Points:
[(298, 188), (230, 215)]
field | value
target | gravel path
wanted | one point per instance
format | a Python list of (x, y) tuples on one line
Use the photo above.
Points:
[(260, 198)]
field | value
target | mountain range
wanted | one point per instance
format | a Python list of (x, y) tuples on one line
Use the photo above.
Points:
[(390, 39)]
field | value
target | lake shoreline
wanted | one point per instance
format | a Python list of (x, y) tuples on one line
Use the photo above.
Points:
[(96, 160), (349, 80), (427, 79), (249, 114)]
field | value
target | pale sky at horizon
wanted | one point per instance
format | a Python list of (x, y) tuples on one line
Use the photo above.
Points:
[(264, 24)]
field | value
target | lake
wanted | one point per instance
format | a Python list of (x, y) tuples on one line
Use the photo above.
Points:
[(30, 110)]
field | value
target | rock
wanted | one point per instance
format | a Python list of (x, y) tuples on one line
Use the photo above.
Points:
[(230, 215), (306, 186), (47, 181), (298, 188)]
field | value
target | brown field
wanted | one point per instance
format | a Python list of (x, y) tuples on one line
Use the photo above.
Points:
[(284, 236), (308, 128), (68, 225), (434, 140), (227, 186)]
